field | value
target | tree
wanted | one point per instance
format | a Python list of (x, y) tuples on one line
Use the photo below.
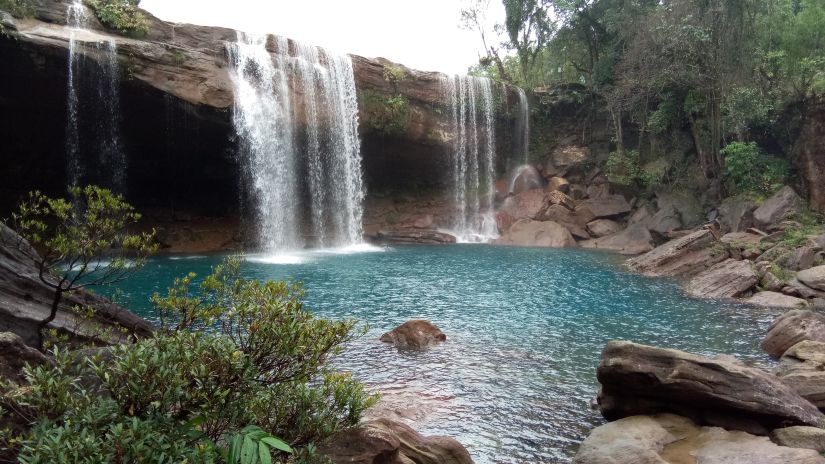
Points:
[(474, 18), (529, 27), (79, 243)]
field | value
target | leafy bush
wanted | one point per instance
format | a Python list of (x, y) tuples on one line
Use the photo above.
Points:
[(121, 15), (387, 115), (623, 167), (17, 8), (194, 393), (751, 171)]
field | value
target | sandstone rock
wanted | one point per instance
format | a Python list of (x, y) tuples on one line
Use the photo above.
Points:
[(736, 215), (424, 221), (14, 354), (685, 204), (411, 235), (25, 301), (389, 442), (671, 439), (801, 258), (526, 232), (598, 191), (665, 220), (813, 277), (642, 215), (639, 379), (803, 368), (607, 207), (812, 438), (771, 282), (558, 198), (526, 205), (727, 279), (577, 192), (416, 334), (525, 178), (603, 227), (574, 221), (782, 205), (776, 300), (796, 288), (791, 328), (504, 221), (684, 256), (635, 239), (558, 183)]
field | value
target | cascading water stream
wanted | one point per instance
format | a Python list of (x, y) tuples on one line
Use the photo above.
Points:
[(522, 129), (471, 105), (76, 19), (303, 155)]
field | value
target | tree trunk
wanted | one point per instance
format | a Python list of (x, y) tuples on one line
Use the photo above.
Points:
[(58, 294), (697, 142)]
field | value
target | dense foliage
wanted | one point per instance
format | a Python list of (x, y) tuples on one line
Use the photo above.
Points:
[(123, 16), (236, 363), (81, 242), (17, 8), (751, 171)]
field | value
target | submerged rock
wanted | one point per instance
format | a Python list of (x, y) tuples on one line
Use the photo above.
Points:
[(526, 232), (668, 438), (639, 379), (416, 334), (791, 328), (383, 441), (728, 279)]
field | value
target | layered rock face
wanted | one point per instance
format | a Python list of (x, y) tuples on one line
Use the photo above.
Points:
[(809, 152)]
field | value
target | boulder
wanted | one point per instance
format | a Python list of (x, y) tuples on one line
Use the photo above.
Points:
[(558, 183), (577, 192), (794, 287), (526, 232), (776, 300), (801, 258), (791, 328), (727, 279), (504, 221), (635, 239), (598, 191), (782, 205), (25, 301), (771, 282), (416, 334), (386, 441), (812, 438), (606, 207), (803, 368), (526, 205), (642, 215), (412, 235), (558, 198), (524, 178), (685, 204), (639, 379), (813, 277), (665, 220), (603, 227), (14, 354), (424, 221), (736, 215), (684, 256), (672, 439)]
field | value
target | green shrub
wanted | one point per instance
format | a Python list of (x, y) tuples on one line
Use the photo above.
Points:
[(17, 8), (194, 394), (387, 115), (123, 16), (751, 171), (623, 167)]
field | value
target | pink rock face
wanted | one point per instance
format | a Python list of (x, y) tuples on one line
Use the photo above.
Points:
[(416, 334), (504, 221), (423, 222), (526, 205), (525, 178)]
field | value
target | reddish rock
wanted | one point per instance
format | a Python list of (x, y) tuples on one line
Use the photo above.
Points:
[(558, 183), (526, 232), (526, 205), (416, 334)]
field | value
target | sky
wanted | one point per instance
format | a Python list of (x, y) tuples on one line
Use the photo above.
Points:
[(421, 34)]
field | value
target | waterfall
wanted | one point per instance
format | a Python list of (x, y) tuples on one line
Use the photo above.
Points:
[(471, 106), (301, 148), (101, 113), (522, 130)]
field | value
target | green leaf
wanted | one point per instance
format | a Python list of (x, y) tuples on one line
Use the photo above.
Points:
[(264, 454), (277, 444), (248, 452)]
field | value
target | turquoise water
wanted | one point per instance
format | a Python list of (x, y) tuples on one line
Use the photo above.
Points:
[(525, 328)]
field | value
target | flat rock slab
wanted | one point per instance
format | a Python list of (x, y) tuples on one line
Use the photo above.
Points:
[(526, 232), (606, 207), (791, 328), (634, 240), (684, 256), (727, 279), (803, 368), (776, 300), (813, 277), (416, 334), (639, 379), (671, 439), (603, 227), (781, 205), (812, 438), (389, 442), (419, 236)]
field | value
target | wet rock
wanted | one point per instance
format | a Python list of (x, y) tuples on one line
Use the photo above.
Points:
[(782, 205), (14, 354), (525, 178), (603, 227), (424, 221), (526, 232), (504, 221), (803, 368), (410, 235), (558, 183), (791, 328), (634, 240), (736, 215), (389, 442), (776, 300), (812, 438), (668, 438), (639, 379), (606, 207), (727, 279), (416, 334), (684, 256), (813, 277)]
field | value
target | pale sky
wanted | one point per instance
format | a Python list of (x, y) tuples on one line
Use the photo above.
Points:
[(422, 34)]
